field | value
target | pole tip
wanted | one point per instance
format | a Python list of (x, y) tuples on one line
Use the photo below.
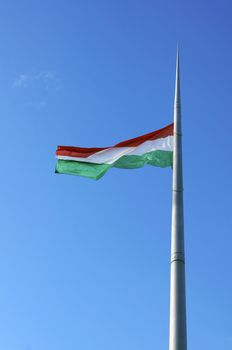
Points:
[(177, 83), (177, 55)]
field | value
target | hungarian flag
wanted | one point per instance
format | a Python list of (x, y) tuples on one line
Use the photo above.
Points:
[(155, 148)]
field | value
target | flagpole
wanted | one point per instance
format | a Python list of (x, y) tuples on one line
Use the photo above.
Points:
[(177, 331)]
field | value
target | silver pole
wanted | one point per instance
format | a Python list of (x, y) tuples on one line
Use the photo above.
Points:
[(177, 332)]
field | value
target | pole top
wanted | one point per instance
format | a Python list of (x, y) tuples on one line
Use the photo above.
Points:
[(177, 56), (177, 84)]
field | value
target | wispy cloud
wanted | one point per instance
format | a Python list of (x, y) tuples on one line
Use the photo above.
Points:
[(38, 87), (43, 79), (36, 104), (20, 81)]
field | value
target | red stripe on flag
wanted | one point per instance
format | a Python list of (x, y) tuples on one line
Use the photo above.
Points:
[(82, 152), (158, 134)]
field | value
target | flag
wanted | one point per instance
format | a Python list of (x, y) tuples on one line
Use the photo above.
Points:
[(155, 148)]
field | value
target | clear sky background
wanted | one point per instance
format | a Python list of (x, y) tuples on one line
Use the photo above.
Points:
[(84, 264)]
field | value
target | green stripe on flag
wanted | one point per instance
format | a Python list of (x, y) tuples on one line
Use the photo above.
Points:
[(157, 158), (96, 171), (91, 170)]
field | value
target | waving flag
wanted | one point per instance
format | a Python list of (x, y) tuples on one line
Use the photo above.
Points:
[(155, 149)]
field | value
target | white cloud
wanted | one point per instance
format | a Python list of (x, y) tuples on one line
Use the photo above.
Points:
[(38, 87), (43, 104), (43, 79), (21, 81)]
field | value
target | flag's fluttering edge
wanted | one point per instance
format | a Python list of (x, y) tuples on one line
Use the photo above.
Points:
[(155, 148)]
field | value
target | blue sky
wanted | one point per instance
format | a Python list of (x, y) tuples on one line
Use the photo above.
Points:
[(85, 264)]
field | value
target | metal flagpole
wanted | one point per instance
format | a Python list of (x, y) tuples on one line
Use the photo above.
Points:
[(177, 331)]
